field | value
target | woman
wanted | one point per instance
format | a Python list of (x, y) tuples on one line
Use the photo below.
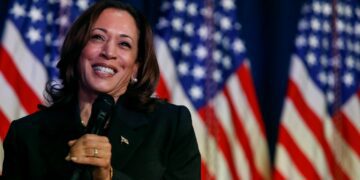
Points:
[(108, 50)]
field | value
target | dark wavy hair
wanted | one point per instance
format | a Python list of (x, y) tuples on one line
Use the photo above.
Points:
[(138, 95)]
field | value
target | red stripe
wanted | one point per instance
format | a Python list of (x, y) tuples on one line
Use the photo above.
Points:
[(162, 90), (26, 95), (4, 125), (298, 157), (277, 175), (217, 131), (205, 173), (349, 132), (315, 125), (246, 81), (243, 138)]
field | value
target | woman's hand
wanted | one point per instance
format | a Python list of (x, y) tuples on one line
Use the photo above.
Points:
[(95, 150)]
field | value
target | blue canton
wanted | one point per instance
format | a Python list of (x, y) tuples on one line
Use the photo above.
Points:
[(203, 37), (329, 45), (43, 25)]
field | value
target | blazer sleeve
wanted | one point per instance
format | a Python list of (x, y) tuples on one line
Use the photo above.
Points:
[(184, 157), (13, 162)]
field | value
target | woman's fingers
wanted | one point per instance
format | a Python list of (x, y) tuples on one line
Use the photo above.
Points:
[(90, 149)]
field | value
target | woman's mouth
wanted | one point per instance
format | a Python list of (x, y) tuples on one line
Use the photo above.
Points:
[(104, 69)]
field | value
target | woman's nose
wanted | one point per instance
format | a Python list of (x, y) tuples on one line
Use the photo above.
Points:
[(108, 51)]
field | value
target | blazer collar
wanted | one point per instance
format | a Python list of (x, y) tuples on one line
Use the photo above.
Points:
[(127, 131)]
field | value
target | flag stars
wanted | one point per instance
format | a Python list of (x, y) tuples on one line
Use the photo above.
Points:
[(50, 18), (198, 72), (162, 23), (227, 4), (348, 11), (186, 49), (196, 92), (217, 37), (330, 97), (331, 79), (183, 68), (326, 9), (65, 3), (340, 26), (315, 24), (35, 14), (217, 76), (313, 41), (326, 27), (189, 29), (179, 5), (82, 4), (303, 25), (225, 23), (33, 35), (322, 77), (174, 43), (192, 9), (311, 59), (238, 46), (348, 79), (350, 62), (201, 52), (217, 56), (357, 29), (300, 41), (316, 7), (48, 39), (18, 10), (63, 21), (206, 12), (227, 62), (177, 24), (203, 32)]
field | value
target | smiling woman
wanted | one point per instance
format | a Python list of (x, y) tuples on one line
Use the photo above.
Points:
[(109, 51)]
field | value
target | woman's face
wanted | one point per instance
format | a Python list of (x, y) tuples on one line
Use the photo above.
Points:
[(107, 61)]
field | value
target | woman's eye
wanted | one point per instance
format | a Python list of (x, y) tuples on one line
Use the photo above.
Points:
[(97, 37), (126, 44)]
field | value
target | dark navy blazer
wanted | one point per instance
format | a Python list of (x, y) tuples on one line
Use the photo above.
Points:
[(152, 146)]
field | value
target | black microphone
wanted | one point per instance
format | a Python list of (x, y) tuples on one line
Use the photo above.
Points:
[(100, 113)]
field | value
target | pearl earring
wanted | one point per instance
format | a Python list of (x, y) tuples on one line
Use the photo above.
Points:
[(134, 80)]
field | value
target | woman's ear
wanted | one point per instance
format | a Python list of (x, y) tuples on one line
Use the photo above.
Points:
[(134, 74)]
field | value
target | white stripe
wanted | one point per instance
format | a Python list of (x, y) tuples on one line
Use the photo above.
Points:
[(166, 63), (344, 154), (32, 71), (311, 93), (258, 143), (9, 103), (222, 111), (285, 165), (214, 160), (305, 140), (352, 110)]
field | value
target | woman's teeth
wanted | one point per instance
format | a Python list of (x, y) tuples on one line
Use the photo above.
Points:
[(103, 69)]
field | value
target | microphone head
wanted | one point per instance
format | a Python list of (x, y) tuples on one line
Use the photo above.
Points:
[(100, 112)]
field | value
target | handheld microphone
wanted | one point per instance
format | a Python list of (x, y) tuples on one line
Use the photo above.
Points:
[(100, 113)]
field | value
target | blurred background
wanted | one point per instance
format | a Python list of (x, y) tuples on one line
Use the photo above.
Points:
[(263, 37)]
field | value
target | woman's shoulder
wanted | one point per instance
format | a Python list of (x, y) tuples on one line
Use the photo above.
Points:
[(36, 118), (167, 107)]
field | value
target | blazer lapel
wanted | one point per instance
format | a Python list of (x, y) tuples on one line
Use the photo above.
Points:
[(127, 131)]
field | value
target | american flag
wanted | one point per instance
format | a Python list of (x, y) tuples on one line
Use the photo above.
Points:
[(320, 125), (204, 66), (32, 34)]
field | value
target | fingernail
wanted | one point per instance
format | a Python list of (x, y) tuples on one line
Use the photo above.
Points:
[(67, 158), (73, 158)]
